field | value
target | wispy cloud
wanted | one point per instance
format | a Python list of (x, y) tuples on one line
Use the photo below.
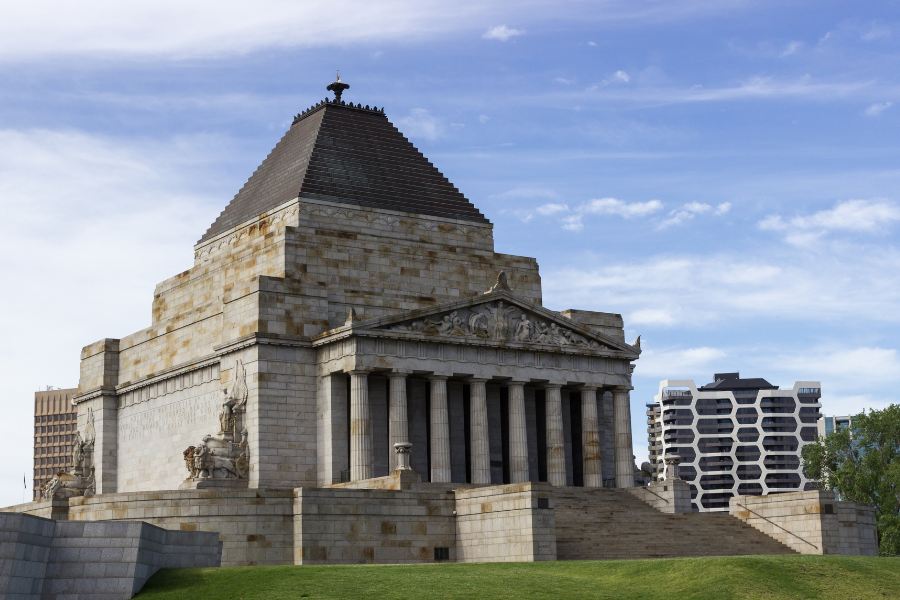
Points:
[(875, 110), (687, 212), (502, 33), (791, 48), (89, 211), (573, 220), (420, 123), (849, 216), (696, 290), (679, 363)]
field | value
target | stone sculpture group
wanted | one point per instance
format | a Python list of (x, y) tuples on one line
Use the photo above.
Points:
[(226, 455)]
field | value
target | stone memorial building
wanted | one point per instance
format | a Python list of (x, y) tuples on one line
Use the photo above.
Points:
[(350, 372), (348, 298)]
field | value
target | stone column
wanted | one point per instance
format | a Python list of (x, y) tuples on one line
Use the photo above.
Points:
[(556, 445), (399, 423), (518, 439), (361, 454), (440, 431), (590, 438), (478, 429), (624, 452)]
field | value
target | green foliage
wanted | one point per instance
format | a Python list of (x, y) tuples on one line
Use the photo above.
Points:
[(864, 466), (783, 577)]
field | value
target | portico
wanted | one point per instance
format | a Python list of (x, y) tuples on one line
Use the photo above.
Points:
[(491, 390)]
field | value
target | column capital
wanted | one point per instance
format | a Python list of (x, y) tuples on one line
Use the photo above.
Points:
[(589, 387), (513, 382), (359, 371), (477, 379), (437, 377), (394, 374)]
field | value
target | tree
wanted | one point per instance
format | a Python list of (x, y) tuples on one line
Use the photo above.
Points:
[(862, 464)]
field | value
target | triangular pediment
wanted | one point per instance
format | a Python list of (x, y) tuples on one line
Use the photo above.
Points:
[(499, 318)]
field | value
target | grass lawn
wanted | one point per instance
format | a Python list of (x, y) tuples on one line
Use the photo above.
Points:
[(720, 578)]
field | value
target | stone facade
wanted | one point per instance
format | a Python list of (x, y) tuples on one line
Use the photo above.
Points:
[(43, 558), (811, 522)]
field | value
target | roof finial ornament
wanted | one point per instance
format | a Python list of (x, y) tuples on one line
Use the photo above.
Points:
[(337, 86)]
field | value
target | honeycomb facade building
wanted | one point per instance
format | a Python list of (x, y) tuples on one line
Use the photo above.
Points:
[(733, 436)]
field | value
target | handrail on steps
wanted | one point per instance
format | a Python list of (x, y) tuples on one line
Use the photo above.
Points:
[(750, 510)]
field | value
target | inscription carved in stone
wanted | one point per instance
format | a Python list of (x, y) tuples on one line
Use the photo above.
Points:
[(498, 321)]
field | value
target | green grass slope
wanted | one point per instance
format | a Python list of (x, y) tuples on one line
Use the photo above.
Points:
[(718, 578)]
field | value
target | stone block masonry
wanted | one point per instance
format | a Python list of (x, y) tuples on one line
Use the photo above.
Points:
[(811, 522), (43, 558)]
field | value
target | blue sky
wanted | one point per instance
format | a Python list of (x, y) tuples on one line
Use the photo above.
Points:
[(723, 174)]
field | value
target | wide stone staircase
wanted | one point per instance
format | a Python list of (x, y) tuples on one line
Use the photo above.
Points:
[(611, 523)]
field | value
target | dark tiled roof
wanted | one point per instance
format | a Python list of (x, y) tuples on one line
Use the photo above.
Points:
[(346, 154), (751, 383)]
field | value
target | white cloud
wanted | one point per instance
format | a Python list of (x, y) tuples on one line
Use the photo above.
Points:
[(651, 316), (420, 123), (687, 212), (876, 31), (178, 29), (502, 33), (679, 363), (832, 285), (90, 225), (874, 110), (791, 48), (848, 216), (622, 76), (592, 44), (551, 209), (483, 119), (620, 208)]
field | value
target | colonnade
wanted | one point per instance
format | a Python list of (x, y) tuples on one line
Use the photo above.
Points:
[(362, 457)]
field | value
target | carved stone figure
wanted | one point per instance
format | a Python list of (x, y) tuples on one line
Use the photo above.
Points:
[(501, 322), (220, 456)]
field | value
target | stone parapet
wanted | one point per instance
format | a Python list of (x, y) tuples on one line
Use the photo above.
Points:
[(670, 496), (255, 526), (505, 523), (812, 522), (337, 525)]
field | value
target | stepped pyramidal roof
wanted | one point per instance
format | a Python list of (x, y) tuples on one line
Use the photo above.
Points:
[(352, 154)]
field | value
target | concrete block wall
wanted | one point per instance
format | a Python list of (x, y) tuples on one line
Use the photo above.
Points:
[(106, 560), (812, 522), (340, 525), (508, 523), (255, 526)]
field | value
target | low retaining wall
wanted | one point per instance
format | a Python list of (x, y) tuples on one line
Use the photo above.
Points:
[(255, 526), (343, 525), (505, 523), (46, 558), (811, 522)]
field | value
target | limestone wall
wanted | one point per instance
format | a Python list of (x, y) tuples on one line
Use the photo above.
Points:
[(811, 522), (372, 526), (49, 559), (505, 523), (255, 526), (156, 422)]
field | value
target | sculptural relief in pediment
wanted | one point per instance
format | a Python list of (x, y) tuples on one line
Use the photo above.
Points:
[(498, 321)]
